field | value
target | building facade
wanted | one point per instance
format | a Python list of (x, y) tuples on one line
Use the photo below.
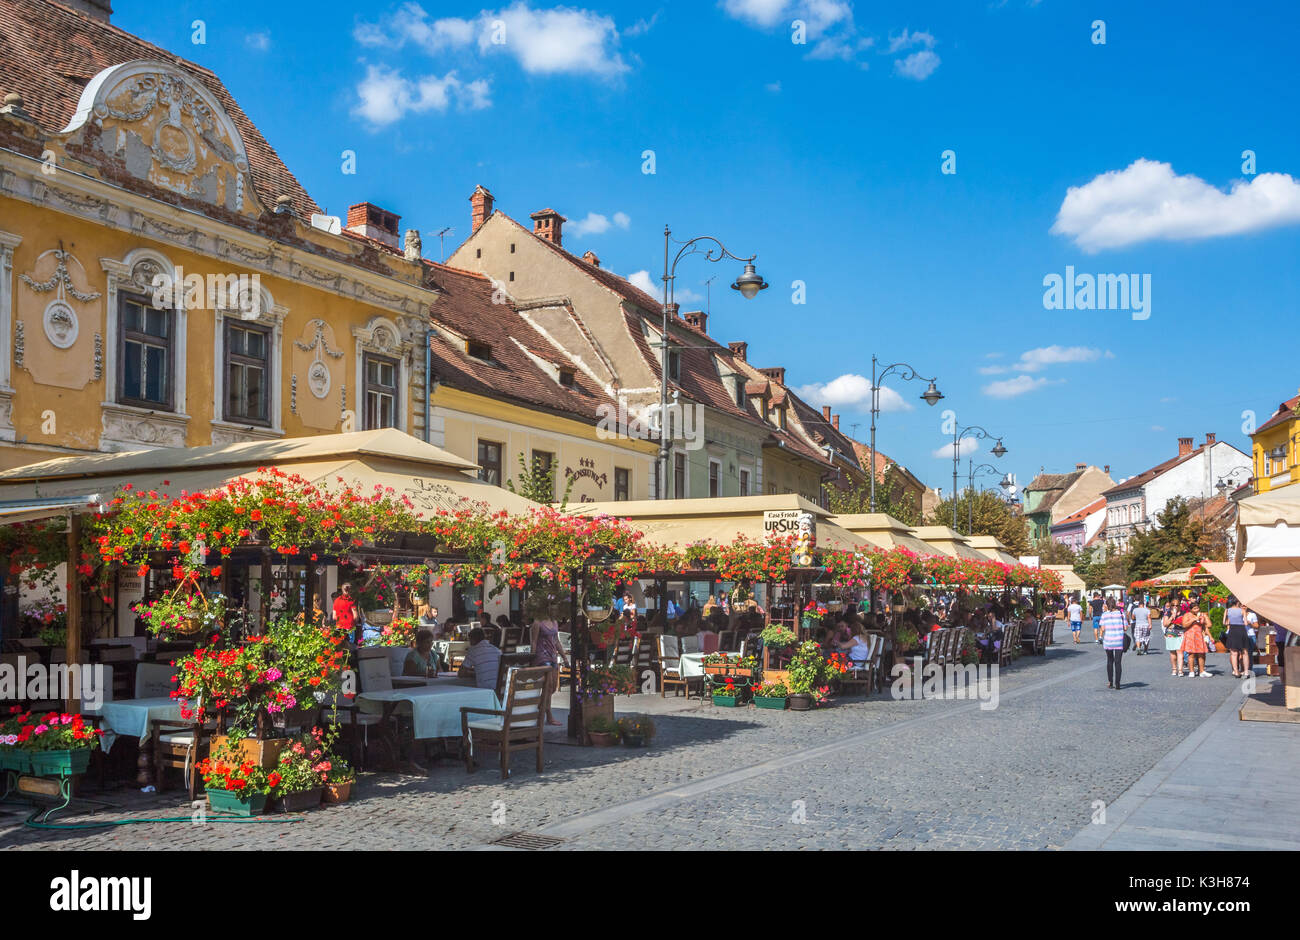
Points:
[(1275, 448), (1050, 497)]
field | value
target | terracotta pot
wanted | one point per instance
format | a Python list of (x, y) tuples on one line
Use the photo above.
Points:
[(801, 702), (337, 792), (602, 738)]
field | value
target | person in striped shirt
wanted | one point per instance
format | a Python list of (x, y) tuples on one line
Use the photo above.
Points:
[(1112, 641)]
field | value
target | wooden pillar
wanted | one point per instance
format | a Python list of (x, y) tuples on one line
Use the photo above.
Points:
[(577, 663), (73, 641)]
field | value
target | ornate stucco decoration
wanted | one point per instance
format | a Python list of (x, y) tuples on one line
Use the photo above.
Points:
[(59, 318), (318, 373)]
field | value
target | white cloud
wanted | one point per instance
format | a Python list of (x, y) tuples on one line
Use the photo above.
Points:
[(828, 24), (258, 42), (773, 87), (597, 224), (966, 447), (850, 391), (918, 66), (1146, 202), (1020, 385), (653, 285), (642, 26), (1035, 360), (763, 13), (556, 41), (387, 96), (909, 40), (1157, 427)]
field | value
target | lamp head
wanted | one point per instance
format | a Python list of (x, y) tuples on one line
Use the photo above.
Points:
[(749, 283), (931, 395)]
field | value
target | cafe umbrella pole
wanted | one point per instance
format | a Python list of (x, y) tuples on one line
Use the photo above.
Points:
[(577, 655)]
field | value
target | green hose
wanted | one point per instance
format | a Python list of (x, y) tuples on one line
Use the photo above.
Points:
[(211, 817)]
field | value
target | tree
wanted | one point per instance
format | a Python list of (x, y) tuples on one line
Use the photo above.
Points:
[(1098, 567), (537, 482), (992, 516), (892, 497), (1178, 540), (1052, 552)]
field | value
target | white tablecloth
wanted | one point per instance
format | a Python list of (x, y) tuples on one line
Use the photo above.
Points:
[(435, 708), (692, 664), (130, 717)]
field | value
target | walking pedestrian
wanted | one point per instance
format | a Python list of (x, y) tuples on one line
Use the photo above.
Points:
[(1196, 627), (1113, 641), (1098, 607), (1075, 613), (1141, 620), (1235, 638)]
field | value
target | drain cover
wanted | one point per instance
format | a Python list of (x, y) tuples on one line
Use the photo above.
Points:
[(529, 841)]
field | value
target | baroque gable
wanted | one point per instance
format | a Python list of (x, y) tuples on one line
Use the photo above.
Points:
[(164, 127)]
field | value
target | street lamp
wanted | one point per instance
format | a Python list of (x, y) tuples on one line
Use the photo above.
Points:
[(930, 396), (749, 283), (977, 432), (975, 471), (1222, 486)]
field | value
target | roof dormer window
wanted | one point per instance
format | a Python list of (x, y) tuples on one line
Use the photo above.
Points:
[(479, 350), (567, 378)]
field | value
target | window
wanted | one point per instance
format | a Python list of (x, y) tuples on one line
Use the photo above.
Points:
[(674, 365), (566, 378), (479, 350), (247, 372), (715, 470), (742, 400), (146, 345), (622, 483), (679, 476), (478, 252), (512, 248), (380, 392), (744, 482), (489, 461), (544, 462), (512, 275)]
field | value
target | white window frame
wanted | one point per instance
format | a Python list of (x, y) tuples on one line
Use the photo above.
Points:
[(271, 316), (381, 337)]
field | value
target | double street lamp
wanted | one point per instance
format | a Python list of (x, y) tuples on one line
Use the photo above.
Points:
[(930, 396), (748, 283), (1223, 486), (978, 433), (975, 471)]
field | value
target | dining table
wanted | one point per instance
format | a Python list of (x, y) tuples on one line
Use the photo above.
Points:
[(434, 707), (131, 717)]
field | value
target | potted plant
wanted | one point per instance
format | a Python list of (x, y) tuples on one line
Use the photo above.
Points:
[(771, 695), (728, 693), (813, 614), (598, 600), (603, 731), (303, 770), (339, 782), (52, 745), (729, 664), (236, 785), (778, 638), (809, 675), (185, 612), (636, 730)]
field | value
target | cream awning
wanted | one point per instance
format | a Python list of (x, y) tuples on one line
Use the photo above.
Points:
[(1268, 586), (387, 458), (949, 542), (681, 522), (884, 531), (990, 546), (1069, 580), (1268, 509)]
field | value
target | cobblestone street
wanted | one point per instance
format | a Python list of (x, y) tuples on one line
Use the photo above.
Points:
[(877, 773)]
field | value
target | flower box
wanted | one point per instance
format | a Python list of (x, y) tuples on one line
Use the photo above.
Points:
[(263, 753), (63, 763), (776, 702), (301, 801), (634, 740), (15, 760), (230, 801), (727, 701), (728, 669), (593, 710)]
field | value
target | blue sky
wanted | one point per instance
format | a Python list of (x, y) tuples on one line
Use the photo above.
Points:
[(825, 159)]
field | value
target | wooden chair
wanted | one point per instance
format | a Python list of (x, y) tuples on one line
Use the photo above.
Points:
[(179, 745), (511, 639), (507, 662), (865, 676), (647, 657), (670, 661), (1010, 641), (625, 651), (515, 727), (154, 680), (727, 641), (936, 650)]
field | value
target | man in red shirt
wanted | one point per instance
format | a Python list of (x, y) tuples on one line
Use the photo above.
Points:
[(345, 611)]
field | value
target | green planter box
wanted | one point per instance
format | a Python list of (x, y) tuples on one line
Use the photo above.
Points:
[(763, 701), (727, 701), (15, 760), (60, 763), (228, 801)]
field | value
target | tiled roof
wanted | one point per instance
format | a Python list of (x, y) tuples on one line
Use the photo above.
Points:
[(1285, 412), (1146, 476), (49, 53), (1054, 485), (1082, 515), (465, 305)]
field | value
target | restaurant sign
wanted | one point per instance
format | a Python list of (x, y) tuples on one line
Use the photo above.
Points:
[(782, 523)]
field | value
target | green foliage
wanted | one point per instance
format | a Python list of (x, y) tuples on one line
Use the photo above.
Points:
[(1052, 552), (992, 516), (537, 482), (1179, 540), (892, 497)]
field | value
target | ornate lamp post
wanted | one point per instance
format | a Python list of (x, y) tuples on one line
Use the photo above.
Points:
[(748, 283), (958, 433), (931, 396), (975, 471)]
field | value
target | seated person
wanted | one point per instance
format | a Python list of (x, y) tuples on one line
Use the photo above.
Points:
[(841, 636), (859, 650), (429, 617), (481, 660), (422, 660)]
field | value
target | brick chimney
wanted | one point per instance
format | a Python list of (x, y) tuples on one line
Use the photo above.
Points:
[(547, 224), (481, 207), (1106, 469), (775, 373), (96, 9), (1184, 446), (835, 422), (672, 310), (1210, 439), (739, 350), (826, 413), (591, 259), (697, 318), (1080, 466), (373, 222)]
